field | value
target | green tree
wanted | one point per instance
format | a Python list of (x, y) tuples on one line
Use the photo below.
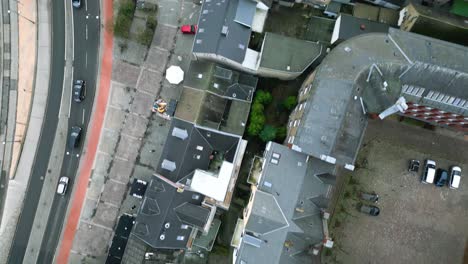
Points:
[(281, 133), (268, 133), (263, 97), (290, 102), (258, 118), (254, 129), (257, 108)]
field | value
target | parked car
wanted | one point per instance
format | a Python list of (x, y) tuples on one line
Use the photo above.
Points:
[(441, 178), (76, 3), (369, 209), (74, 137), (455, 177), (62, 185), (189, 29), (414, 166), (79, 90), (429, 171), (371, 197)]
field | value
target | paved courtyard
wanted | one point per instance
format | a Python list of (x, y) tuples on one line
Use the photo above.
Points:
[(418, 223)]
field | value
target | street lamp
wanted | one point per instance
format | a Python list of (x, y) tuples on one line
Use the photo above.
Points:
[(19, 14)]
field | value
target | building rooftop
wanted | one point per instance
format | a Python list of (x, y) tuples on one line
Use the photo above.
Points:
[(348, 26), (220, 80), (334, 120), (216, 97), (189, 149), (286, 54), (224, 28), (285, 220)]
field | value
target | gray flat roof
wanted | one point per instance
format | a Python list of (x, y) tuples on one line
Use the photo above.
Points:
[(333, 122), (219, 33), (191, 148), (290, 183), (221, 80), (351, 26), (281, 53)]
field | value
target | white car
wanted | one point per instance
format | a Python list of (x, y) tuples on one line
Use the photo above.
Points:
[(429, 171), (455, 177), (62, 185)]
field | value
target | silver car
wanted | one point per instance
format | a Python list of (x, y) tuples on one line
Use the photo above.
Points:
[(76, 3), (455, 177), (62, 185)]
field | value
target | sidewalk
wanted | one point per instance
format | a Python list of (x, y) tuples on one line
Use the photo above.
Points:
[(27, 40), (17, 186)]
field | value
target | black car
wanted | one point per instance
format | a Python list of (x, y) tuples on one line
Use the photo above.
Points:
[(78, 90), (414, 166), (441, 178), (369, 209), (74, 137)]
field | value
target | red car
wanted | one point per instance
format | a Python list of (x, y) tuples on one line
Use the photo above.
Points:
[(189, 29)]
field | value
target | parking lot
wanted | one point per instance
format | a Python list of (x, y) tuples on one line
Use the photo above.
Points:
[(418, 223)]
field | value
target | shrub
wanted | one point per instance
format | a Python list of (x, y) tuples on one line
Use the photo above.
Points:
[(268, 133), (151, 23), (124, 19), (290, 102), (146, 37)]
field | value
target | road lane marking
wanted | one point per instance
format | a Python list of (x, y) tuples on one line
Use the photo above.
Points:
[(86, 31), (63, 90), (82, 119), (86, 5), (73, 35), (86, 60), (71, 94)]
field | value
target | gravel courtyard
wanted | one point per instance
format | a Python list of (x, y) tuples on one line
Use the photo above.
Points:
[(418, 223)]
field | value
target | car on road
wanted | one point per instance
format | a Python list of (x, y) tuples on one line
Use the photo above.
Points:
[(79, 90), (62, 185), (429, 171), (189, 29), (414, 166), (74, 137), (371, 197), (455, 177), (76, 3), (441, 178), (369, 209)]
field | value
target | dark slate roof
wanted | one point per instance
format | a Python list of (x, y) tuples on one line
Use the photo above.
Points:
[(216, 15), (158, 209), (351, 26), (291, 183), (119, 241), (333, 123), (185, 153), (193, 215), (162, 203)]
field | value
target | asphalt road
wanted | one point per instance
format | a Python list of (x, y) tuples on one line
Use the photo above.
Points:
[(23, 229), (86, 37)]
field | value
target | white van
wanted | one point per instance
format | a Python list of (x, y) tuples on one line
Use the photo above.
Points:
[(429, 171)]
